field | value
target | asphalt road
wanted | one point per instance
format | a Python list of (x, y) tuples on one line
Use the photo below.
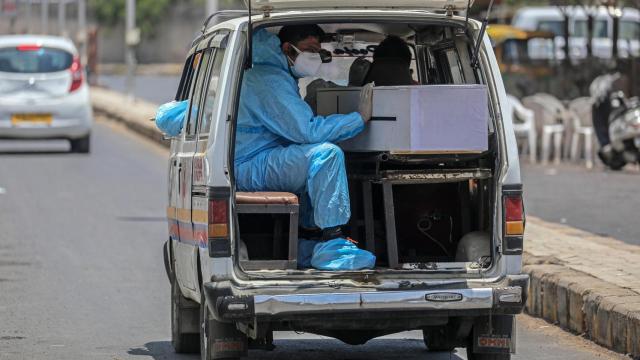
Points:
[(597, 200), (154, 88), (81, 272)]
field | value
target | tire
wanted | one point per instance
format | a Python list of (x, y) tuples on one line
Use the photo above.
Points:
[(81, 145), (208, 327), (183, 310), (436, 340)]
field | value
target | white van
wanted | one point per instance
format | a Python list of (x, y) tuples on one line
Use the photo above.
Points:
[(444, 217), (550, 18)]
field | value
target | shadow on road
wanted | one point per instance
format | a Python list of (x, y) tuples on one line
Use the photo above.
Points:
[(160, 350), (33, 152), (33, 147), (316, 349)]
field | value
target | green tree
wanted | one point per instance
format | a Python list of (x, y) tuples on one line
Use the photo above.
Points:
[(112, 12)]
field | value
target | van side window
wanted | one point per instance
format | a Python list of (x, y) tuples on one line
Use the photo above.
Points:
[(185, 79), (212, 90), (198, 84)]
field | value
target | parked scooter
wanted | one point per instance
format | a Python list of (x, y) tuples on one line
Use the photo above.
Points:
[(616, 120)]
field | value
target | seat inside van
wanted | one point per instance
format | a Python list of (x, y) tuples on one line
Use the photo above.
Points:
[(416, 210)]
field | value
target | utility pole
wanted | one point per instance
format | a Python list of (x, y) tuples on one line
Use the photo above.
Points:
[(62, 28), (44, 17), (212, 6), (82, 29), (29, 20), (132, 38)]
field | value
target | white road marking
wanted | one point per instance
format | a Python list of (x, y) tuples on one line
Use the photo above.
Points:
[(3, 191)]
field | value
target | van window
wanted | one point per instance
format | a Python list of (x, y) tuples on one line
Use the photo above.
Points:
[(629, 30), (556, 27), (185, 79), (212, 90), (600, 29), (198, 84)]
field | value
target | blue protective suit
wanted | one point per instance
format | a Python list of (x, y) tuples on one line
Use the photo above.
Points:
[(282, 146)]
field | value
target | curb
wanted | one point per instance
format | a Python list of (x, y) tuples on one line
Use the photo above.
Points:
[(137, 115), (603, 312), (166, 69), (578, 302)]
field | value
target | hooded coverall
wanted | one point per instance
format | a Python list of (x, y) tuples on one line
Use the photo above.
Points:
[(282, 146)]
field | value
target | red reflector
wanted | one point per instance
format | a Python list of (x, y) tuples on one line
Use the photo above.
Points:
[(218, 211), (513, 208), (28, 47)]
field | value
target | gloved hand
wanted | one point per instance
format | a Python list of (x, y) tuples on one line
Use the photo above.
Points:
[(365, 108)]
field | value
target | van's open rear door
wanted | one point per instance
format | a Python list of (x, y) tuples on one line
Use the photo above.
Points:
[(284, 5)]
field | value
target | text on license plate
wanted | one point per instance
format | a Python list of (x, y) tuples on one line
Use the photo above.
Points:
[(18, 119)]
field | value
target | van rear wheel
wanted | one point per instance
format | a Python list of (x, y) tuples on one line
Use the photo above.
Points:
[(219, 340), (184, 313), (437, 340)]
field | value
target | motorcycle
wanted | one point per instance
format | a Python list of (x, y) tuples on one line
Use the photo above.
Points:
[(616, 120)]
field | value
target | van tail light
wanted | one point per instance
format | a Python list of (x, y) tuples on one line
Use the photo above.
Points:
[(77, 75), (218, 214), (514, 220)]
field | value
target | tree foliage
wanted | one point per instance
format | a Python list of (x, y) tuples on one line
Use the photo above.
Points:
[(112, 12)]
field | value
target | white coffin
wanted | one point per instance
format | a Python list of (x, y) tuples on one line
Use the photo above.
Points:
[(416, 119)]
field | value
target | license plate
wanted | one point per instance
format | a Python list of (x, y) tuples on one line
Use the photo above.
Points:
[(494, 342), (35, 119)]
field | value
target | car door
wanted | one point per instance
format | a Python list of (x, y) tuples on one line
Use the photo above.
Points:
[(186, 248), (176, 144), (210, 109)]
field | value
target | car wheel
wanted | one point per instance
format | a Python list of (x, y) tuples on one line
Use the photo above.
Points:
[(182, 312), (231, 344), (436, 340), (81, 145)]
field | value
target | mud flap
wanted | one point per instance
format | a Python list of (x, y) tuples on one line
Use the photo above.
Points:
[(494, 335), (228, 341)]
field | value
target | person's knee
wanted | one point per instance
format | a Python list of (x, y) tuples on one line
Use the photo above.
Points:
[(326, 151), (326, 155)]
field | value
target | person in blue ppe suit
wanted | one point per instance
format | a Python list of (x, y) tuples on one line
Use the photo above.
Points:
[(281, 145)]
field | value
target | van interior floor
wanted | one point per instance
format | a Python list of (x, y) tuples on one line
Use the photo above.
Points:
[(410, 217)]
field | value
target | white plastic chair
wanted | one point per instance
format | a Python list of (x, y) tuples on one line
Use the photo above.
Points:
[(550, 117), (524, 126), (580, 111)]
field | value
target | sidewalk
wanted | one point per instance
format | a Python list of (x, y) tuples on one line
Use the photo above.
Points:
[(583, 282), (605, 258)]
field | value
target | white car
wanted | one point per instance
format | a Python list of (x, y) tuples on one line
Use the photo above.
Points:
[(446, 226), (43, 91)]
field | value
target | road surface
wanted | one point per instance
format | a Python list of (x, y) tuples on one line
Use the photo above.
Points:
[(597, 200), (81, 269)]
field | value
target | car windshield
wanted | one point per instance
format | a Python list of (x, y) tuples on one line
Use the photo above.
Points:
[(33, 59)]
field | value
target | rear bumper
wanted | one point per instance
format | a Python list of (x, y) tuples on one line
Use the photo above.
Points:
[(59, 129), (507, 297), (72, 117)]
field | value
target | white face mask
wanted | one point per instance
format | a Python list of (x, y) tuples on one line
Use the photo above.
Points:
[(309, 64)]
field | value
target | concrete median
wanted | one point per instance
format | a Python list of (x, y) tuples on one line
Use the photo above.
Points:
[(585, 283)]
